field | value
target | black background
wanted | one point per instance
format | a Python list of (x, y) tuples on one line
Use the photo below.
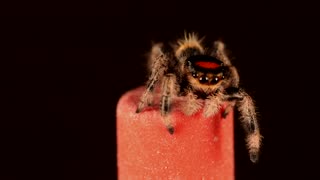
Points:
[(69, 63)]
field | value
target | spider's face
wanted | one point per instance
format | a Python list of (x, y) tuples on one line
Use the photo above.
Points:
[(205, 71)]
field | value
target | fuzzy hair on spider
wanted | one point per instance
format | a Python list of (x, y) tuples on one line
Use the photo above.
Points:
[(189, 69)]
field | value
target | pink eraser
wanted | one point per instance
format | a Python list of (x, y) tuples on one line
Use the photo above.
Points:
[(199, 148)]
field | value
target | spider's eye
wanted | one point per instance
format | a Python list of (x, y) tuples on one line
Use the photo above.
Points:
[(203, 79), (195, 74), (216, 79)]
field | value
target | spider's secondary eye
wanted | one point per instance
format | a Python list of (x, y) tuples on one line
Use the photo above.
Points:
[(195, 74), (216, 79)]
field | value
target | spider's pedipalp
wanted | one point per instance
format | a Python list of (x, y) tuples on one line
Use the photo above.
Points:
[(192, 104), (213, 104)]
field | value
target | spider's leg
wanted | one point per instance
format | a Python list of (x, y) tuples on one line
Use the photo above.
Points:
[(220, 52), (227, 110), (168, 91), (249, 121), (231, 96), (234, 77), (159, 62)]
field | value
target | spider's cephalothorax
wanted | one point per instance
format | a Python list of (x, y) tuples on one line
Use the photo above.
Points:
[(189, 70)]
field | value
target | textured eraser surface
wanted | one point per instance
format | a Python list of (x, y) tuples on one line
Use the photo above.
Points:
[(199, 148)]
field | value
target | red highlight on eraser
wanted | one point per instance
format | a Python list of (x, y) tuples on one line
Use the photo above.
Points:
[(200, 148)]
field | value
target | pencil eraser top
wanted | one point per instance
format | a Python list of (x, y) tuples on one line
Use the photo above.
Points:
[(201, 147)]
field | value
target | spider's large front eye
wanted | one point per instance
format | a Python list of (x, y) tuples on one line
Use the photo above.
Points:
[(203, 79)]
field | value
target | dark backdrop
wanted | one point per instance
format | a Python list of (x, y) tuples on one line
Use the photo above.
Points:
[(69, 63)]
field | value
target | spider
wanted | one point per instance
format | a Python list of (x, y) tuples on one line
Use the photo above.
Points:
[(189, 69)]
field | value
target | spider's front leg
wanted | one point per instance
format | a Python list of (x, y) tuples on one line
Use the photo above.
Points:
[(249, 121), (159, 63), (169, 89)]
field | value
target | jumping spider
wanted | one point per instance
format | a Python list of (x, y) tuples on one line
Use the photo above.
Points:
[(189, 69)]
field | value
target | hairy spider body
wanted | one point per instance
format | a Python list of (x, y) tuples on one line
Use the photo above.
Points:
[(188, 69)]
